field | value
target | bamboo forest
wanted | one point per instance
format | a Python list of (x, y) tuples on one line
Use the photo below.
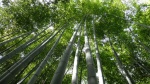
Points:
[(74, 42)]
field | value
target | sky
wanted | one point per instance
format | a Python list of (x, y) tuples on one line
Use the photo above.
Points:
[(138, 1), (143, 1)]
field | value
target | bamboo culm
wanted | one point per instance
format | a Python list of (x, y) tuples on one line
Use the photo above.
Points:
[(89, 60), (59, 73), (43, 63), (120, 66), (76, 60), (21, 47), (99, 65), (14, 38), (15, 69)]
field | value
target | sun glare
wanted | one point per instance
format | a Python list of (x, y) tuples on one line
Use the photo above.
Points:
[(143, 1)]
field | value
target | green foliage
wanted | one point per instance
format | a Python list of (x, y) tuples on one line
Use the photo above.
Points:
[(28, 15), (132, 46)]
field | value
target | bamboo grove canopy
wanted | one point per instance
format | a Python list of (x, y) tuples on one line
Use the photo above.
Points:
[(74, 41)]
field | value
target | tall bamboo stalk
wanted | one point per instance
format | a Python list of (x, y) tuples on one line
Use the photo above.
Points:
[(21, 47), (14, 38), (76, 61), (9, 74), (59, 73), (120, 66), (99, 66), (43, 63), (89, 60)]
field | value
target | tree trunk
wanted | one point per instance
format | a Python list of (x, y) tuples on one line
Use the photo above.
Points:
[(120, 66), (80, 79), (8, 49), (43, 63), (99, 66), (137, 60), (76, 60), (89, 60), (10, 74), (28, 74), (20, 48), (14, 38), (59, 73)]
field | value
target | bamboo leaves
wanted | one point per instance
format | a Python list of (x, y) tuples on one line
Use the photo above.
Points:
[(129, 62)]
